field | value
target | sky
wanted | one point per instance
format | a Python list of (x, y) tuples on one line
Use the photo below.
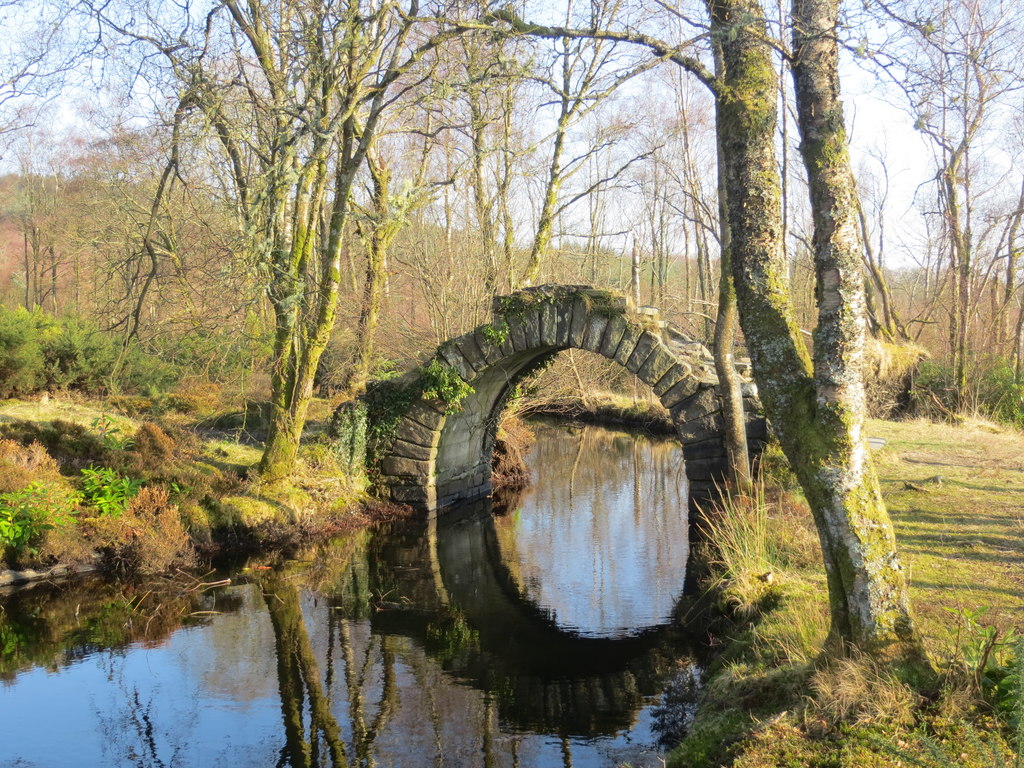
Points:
[(877, 126)]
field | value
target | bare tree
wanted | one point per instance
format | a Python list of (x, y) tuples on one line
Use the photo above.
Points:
[(293, 94)]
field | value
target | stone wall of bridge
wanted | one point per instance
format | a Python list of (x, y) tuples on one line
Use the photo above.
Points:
[(432, 431)]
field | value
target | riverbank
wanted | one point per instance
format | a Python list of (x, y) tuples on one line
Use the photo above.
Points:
[(128, 486), (608, 409), (86, 486), (956, 497)]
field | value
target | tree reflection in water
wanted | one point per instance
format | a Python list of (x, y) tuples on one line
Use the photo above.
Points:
[(417, 646)]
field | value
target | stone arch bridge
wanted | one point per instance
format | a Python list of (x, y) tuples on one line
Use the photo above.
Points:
[(430, 436)]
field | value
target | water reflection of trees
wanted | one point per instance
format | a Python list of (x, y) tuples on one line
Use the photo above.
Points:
[(410, 646), (605, 548), (53, 625)]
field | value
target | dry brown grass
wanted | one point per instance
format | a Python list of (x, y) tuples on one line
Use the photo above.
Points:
[(148, 538), (862, 691), (21, 465), (509, 470)]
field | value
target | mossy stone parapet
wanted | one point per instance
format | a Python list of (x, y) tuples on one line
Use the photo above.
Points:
[(430, 444)]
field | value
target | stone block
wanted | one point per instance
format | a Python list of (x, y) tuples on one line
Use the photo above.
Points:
[(704, 470), (452, 356), (492, 352), (710, 448), (417, 495), (613, 333), (398, 466), (517, 334), (705, 400), (471, 351), (424, 414), (656, 366), (578, 327), (531, 324), (409, 450), (757, 428), (645, 346), (436, 404), (702, 493), (564, 313), (700, 428), (628, 343), (413, 432), (681, 391), (705, 374), (593, 333), (671, 377), (548, 324)]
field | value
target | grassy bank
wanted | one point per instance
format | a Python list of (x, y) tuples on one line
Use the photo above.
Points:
[(956, 496), (603, 408), (83, 483)]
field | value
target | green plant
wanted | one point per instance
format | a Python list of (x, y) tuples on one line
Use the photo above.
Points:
[(108, 491), (441, 381), (1004, 688), (110, 434), (979, 646), (496, 334), (22, 366), (744, 553), (27, 513)]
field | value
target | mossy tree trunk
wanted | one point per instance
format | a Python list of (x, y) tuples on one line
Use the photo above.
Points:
[(292, 101), (729, 389), (817, 411)]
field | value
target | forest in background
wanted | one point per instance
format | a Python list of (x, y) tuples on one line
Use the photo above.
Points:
[(496, 162)]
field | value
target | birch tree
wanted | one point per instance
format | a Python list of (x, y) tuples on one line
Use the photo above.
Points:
[(816, 406)]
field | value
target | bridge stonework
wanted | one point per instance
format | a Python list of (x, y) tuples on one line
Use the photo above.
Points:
[(437, 454)]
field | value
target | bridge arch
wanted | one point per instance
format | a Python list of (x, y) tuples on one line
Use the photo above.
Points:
[(437, 455)]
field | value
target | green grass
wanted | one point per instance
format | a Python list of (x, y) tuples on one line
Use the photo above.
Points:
[(769, 701), (962, 538), (59, 409)]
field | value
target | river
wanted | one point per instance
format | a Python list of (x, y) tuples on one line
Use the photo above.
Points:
[(542, 632)]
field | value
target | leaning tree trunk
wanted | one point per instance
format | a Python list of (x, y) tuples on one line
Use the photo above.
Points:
[(818, 415), (730, 392)]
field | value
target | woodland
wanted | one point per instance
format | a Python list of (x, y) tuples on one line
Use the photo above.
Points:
[(268, 205)]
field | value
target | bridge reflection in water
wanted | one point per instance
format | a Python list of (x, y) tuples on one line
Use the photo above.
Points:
[(444, 643)]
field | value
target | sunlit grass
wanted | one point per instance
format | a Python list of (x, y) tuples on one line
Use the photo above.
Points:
[(60, 409)]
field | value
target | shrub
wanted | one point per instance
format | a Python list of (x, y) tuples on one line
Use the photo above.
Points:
[(26, 514), (80, 356), (107, 491), (155, 448), (20, 465), (995, 391), (37, 351), (73, 446), (1003, 394), (22, 365), (148, 538)]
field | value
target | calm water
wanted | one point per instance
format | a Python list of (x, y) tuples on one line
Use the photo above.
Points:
[(537, 634)]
